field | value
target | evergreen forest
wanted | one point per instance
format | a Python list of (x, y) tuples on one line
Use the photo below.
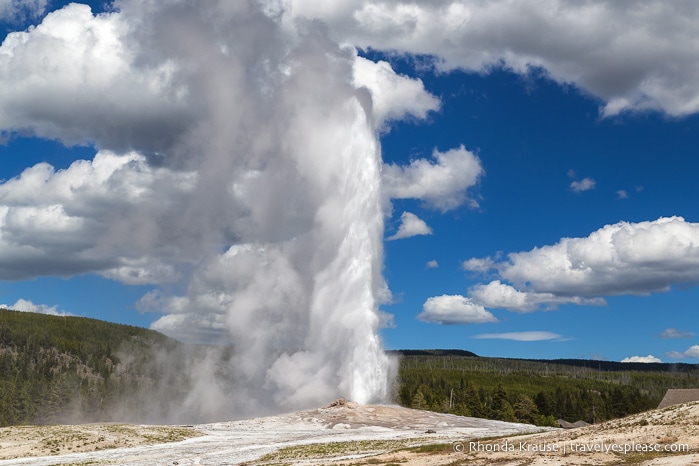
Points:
[(535, 391), (56, 369)]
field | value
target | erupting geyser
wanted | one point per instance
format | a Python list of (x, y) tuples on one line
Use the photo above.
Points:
[(237, 170), (289, 173), (315, 307)]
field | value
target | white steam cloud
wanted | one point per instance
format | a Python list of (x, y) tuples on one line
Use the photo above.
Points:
[(237, 161)]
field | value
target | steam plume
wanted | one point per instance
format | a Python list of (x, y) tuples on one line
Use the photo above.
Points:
[(249, 187), (289, 169)]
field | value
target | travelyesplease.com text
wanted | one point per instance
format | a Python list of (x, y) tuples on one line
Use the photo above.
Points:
[(568, 447)]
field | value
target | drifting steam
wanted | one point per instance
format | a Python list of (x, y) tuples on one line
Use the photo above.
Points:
[(238, 168), (289, 175)]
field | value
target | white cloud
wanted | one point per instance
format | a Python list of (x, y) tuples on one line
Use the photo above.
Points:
[(583, 185), (24, 305), (394, 97), (115, 215), (619, 259), (623, 258), (647, 359), (633, 56), (411, 225), (674, 333), (503, 296), (691, 352), (499, 295), (66, 77), (622, 194), (442, 185), (454, 309), (433, 264), (521, 336), (14, 10), (478, 265)]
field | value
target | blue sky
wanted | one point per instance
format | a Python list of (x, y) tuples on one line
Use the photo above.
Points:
[(547, 166)]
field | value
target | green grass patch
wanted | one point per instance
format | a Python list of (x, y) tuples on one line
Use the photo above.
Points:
[(333, 450), (433, 448)]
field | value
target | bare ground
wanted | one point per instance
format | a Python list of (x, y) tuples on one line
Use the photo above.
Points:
[(29, 441), (347, 434)]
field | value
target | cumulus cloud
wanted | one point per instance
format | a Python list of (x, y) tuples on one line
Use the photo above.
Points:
[(647, 359), (441, 184), (24, 305), (411, 225), (521, 336), (108, 215), (66, 77), (476, 264), (454, 309), (14, 10), (433, 264), (622, 194), (691, 352), (585, 184), (674, 333), (633, 56), (623, 258), (503, 296), (394, 97)]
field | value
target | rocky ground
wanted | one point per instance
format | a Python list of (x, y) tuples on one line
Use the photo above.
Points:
[(346, 434)]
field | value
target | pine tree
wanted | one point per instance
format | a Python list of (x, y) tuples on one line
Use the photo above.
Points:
[(525, 409), (419, 401)]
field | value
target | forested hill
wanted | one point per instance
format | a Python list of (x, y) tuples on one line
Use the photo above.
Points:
[(535, 391), (432, 352), (600, 365), (74, 369), (80, 336), (616, 366)]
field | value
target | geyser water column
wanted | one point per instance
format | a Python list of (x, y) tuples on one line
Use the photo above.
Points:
[(342, 352), (284, 227), (344, 321), (306, 325)]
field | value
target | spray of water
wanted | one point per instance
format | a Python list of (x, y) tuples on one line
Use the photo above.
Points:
[(250, 188), (289, 172), (315, 308)]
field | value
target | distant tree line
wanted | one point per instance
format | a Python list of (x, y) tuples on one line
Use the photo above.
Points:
[(534, 392)]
